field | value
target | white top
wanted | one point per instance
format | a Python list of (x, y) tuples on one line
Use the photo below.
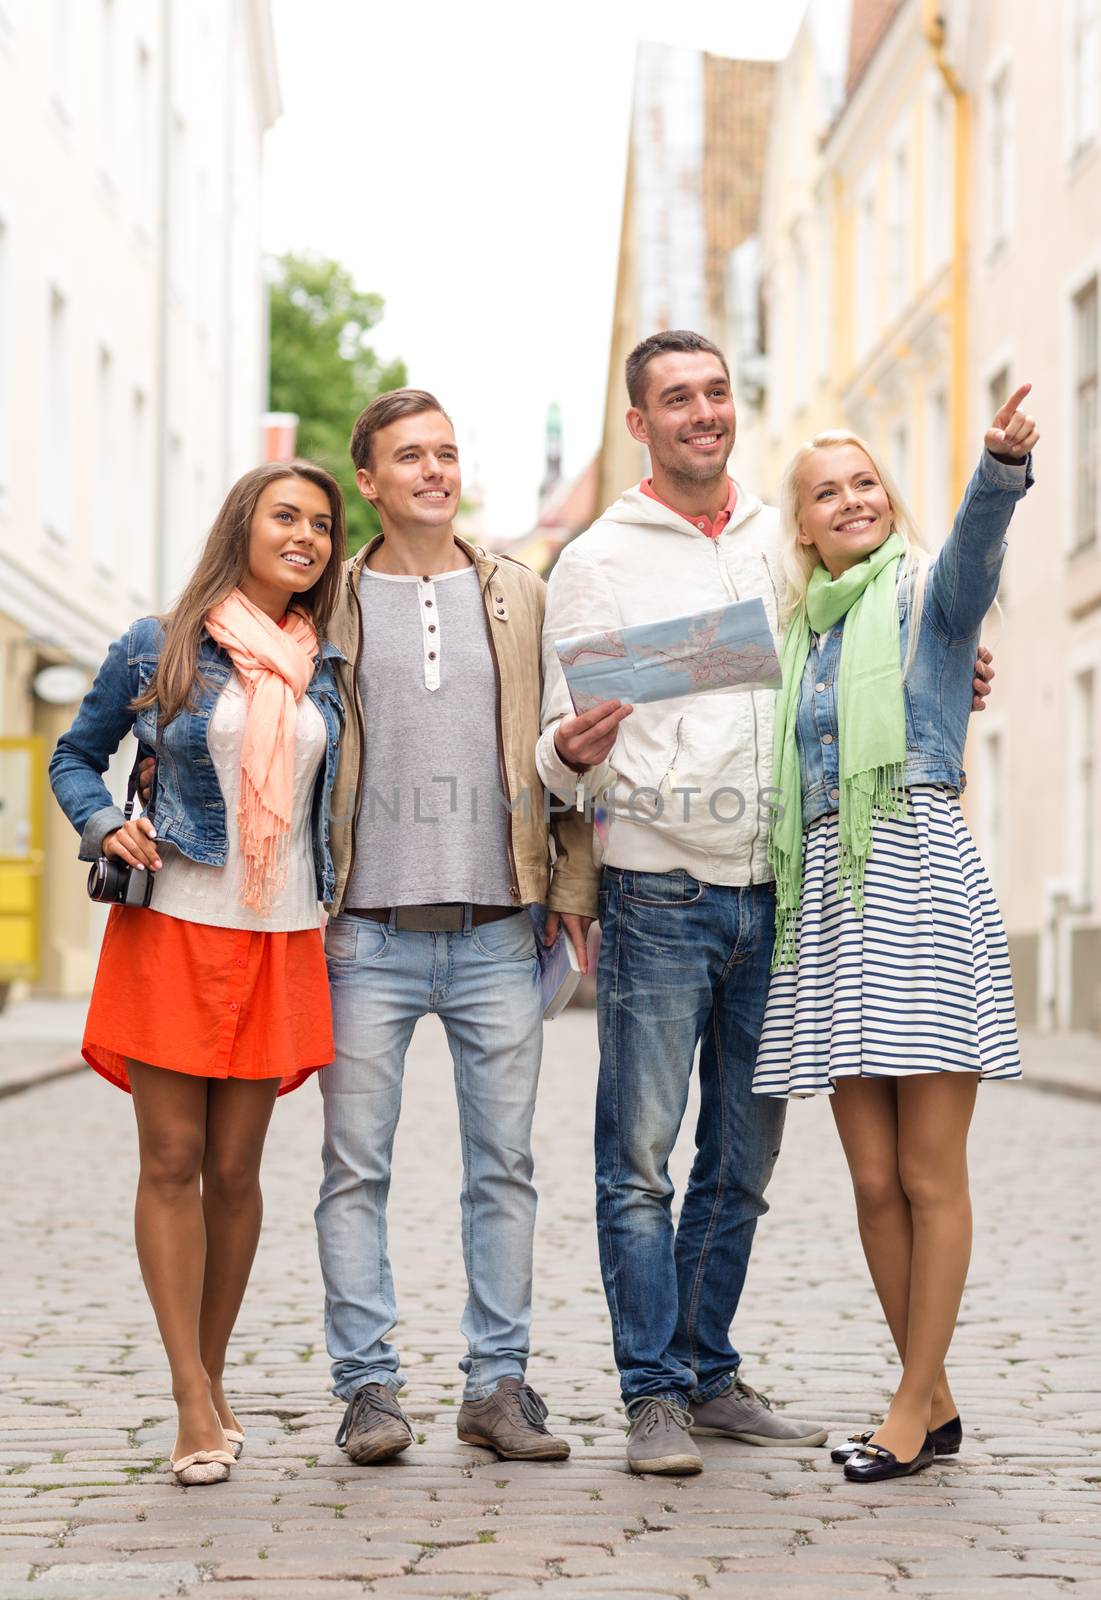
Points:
[(212, 895)]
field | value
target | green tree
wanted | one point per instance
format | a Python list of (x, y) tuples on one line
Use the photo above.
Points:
[(324, 369)]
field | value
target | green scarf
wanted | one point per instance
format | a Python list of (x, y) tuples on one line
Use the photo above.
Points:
[(871, 728)]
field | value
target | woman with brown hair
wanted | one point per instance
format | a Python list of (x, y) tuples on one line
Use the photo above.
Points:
[(211, 998)]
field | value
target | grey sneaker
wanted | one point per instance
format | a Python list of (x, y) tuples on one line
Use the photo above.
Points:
[(741, 1413), (658, 1439), (374, 1426), (512, 1421)]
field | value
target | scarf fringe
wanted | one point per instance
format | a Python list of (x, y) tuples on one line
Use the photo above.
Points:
[(265, 845), (870, 798)]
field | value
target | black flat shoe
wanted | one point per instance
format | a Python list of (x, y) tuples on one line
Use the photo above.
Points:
[(947, 1438), (871, 1463), (946, 1441), (841, 1452)]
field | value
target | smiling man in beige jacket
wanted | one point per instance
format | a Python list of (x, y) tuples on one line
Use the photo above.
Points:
[(440, 838)]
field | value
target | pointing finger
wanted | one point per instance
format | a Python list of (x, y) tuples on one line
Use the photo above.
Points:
[(1011, 405)]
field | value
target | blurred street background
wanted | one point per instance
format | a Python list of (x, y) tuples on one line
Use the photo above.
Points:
[(225, 225)]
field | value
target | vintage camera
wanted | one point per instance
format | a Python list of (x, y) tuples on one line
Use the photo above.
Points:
[(112, 882), (116, 884)]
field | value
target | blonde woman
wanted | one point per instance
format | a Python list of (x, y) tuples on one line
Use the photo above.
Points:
[(891, 989), (213, 999)]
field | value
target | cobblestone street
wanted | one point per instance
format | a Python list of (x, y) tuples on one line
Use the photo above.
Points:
[(88, 1508)]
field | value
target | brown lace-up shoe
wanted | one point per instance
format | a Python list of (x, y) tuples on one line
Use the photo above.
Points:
[(374, 1426), (511, 1421)]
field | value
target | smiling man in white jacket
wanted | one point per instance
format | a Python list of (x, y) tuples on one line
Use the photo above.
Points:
[(686, 910)]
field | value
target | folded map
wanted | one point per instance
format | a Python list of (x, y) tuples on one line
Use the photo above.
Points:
[(731, 648)]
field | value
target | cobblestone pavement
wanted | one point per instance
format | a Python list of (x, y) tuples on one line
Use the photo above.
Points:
[(87, 1509)]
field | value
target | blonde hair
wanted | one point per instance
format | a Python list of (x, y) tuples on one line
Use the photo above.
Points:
[(799, 560)]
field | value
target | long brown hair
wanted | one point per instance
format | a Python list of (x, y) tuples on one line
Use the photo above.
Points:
[(220, 568)]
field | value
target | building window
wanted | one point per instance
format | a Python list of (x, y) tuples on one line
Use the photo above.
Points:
[(1086, 433), (1085, 72), (801, 366), (139, 520), (898, 238), (773, 333), (866, 275), (824, 319), (939, 186), (108, 112), (1084, 783), (57, 429), (900, 459), (145, 141), (1001, 160), (992, 809), (179, 217), (63, 48), (103, 498), (936, 510)]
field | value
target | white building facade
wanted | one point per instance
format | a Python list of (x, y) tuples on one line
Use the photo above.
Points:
[(133, 322), (1034, 287)]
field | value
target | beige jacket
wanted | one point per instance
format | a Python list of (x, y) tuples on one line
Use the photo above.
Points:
[(550, 864)]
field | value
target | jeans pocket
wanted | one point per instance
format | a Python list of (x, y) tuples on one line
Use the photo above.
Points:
[(355, 939), (508, 939), (662, 888)]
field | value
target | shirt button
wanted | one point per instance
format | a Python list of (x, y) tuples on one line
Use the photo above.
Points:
[(426, 579), (428, 602), (819, 688), (431, 655), (233, 1006), (827, 738), (240, 961), (835, 794), (700, 525), (431, 627)]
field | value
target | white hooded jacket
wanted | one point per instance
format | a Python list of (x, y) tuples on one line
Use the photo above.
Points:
[(691, 776)]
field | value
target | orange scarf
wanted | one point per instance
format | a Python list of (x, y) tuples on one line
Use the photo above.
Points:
[(275, 664)]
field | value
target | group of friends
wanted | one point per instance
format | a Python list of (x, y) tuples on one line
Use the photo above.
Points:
[(386, 745)]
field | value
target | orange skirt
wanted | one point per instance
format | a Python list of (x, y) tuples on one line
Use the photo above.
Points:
[(211, 1002)]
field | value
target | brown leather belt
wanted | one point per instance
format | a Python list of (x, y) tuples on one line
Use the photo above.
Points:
[(446, 918)]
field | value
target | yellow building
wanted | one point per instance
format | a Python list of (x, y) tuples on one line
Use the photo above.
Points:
[(692, 193), (929, 240), (857, 253)]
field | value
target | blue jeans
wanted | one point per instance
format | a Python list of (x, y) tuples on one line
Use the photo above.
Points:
[(680, 962), (484, 985)]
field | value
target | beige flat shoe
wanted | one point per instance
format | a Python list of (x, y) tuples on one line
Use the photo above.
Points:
[(202, 1466), (236, 1442)]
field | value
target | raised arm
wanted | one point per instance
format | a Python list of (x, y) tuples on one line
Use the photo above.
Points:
[(963, 581)]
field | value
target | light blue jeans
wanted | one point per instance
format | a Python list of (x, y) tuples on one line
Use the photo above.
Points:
[(484, 986)]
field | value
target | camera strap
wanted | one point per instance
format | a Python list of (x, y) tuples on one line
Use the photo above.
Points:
[(132, 787)]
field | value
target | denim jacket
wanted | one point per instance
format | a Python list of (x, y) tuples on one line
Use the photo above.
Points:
[(187, 801), (961, 588)]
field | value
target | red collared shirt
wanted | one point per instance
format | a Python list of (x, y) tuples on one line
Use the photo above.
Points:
[(711, 529)]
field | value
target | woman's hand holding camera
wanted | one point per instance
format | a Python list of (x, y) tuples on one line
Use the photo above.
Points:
[(134, 844)]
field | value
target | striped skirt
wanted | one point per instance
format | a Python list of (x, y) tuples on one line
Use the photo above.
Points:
[(919, 983)]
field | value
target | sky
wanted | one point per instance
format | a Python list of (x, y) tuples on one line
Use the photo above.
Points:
[(466, 162)]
